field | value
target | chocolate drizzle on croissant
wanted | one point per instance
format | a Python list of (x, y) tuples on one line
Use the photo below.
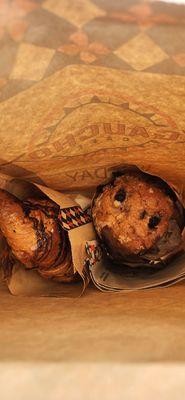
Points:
[(35, 236)]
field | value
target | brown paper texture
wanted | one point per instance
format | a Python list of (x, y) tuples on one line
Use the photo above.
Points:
[(83, 119), (137, 48), (29, 283)]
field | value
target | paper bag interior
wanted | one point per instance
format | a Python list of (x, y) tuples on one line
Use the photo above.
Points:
[(81, 92)]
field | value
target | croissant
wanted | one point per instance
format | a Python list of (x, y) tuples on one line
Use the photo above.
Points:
[(35, 237)]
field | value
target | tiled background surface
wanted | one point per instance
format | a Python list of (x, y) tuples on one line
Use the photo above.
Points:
[(39, 37)]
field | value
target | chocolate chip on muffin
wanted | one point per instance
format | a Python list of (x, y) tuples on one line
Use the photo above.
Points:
[(134, 216), (154, 221)]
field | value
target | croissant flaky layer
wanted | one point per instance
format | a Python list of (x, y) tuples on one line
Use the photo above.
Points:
[(35, 236)]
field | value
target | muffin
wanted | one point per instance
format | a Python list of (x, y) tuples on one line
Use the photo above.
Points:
[(138, 218)]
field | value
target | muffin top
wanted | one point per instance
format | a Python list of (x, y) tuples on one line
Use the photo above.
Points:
[(135, 213)]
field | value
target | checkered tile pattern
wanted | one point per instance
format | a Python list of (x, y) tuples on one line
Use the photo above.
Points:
[(39, 37), (94, 253), (73, 217)]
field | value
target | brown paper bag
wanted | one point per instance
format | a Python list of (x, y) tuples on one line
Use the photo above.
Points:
[(77, 123), (83, 120)]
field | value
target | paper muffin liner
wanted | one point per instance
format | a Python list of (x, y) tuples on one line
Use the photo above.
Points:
[(144, 274)]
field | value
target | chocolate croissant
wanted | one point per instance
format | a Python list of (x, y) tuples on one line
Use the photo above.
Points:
[(35, 237)]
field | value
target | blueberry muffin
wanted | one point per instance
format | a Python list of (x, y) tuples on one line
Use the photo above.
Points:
[(138, 217)]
